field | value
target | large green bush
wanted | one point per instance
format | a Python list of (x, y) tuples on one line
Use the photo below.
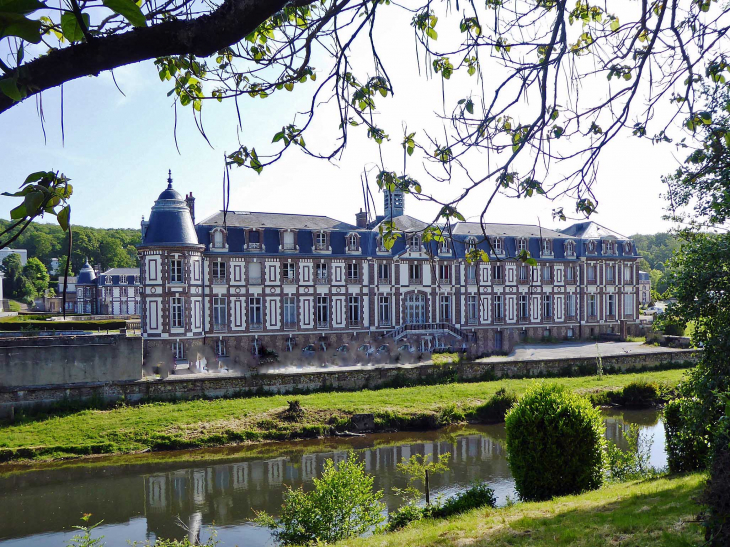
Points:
[(687, 445), (341, 506), (495, 409), (555, 442), (103, 325), (717, 491)]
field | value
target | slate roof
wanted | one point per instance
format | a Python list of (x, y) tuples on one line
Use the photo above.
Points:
[(591, 230), (510, 230), (121, 271), (405, 223), (170, 221), (246, 219), (86, 275)]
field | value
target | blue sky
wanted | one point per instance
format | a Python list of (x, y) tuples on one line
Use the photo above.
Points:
[(118, 149)]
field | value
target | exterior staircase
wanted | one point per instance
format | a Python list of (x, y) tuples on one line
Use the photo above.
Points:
[(440, 329)]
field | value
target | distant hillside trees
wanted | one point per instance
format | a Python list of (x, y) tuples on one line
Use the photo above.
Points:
[(24, 282), (656, 250), (110, 248)]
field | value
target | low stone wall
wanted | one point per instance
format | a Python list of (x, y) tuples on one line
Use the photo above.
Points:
[(208, 386), (64, 360)]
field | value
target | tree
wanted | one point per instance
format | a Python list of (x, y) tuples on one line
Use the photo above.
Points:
[(519, 67), (13, 270), (35, 272)]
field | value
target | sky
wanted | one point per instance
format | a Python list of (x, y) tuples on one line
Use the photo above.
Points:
[(118, 149)]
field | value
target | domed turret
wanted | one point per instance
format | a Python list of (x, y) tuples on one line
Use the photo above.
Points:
[(170, 221), (86, 275)]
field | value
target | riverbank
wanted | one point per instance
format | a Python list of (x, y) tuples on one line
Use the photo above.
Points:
[(650, 513), (220, 422)]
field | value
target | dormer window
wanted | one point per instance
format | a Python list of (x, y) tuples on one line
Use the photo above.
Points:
[(444, 246), (287, 241), (547, 246), (471, 244), (122, 279), (254, 240), (320, 241), (569, 248), (498, 245), (381, 247), (628, 248), (591, 246), (522, 244), (353, 242), (414, 242), (609, 248), (218, 238)]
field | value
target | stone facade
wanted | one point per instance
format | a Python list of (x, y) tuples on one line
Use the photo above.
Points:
[(237, 286)]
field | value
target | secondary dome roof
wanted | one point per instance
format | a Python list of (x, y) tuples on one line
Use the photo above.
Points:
[(170, 221)]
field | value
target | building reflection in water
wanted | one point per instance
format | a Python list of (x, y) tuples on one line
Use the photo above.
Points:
[(184, 498)]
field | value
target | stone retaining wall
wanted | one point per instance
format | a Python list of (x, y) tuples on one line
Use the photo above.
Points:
[(192, 387)]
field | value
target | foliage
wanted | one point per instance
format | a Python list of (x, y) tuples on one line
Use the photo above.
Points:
[(717, 491), (640, 393), (106, 324), (632, 463), (84, 537), (35, 272), (495, 409), (341, 506), (418, 468), (687, 437), (404, 515), (555, 443)]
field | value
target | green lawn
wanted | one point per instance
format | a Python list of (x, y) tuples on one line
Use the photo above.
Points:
[(218, 422), (652, 513)]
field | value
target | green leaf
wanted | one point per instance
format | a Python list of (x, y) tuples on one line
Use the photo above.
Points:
[(431, 33), (35, 177), (23, 7), (19, 212), (33, 202), (531, 262), (71, 28), (9, 87), (63, 217), (278, 136), (614, 25), (470, 106), (12, 24)]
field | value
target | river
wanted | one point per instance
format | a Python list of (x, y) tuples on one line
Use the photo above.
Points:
[(137, 499)]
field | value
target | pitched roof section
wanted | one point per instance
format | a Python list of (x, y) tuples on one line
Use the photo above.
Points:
[(405, 223), (591, 230), (121, 271), (509, 230), (245, 219)]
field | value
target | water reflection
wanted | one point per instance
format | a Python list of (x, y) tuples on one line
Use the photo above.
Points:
[(144, 501)]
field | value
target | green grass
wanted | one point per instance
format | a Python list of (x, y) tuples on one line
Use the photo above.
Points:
[(651, 513), (198, 423), (13, 305)]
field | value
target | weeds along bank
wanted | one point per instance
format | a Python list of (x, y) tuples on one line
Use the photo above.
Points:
[(207, 423)]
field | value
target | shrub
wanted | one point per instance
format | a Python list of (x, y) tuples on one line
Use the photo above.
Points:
[(403, 516), (342, 505), (495, 409), (687, 447), (111, 324), (640, 394), (479, 495), (632, 463), (555, 442), (717, 490), (451, 414)]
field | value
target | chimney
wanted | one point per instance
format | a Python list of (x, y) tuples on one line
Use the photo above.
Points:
[(190, 200), (361, 219)]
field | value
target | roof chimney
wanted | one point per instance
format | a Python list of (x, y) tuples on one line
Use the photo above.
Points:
[(190, 200), (361, 219)]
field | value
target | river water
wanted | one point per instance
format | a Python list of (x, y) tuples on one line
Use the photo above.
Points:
[(139, 500)]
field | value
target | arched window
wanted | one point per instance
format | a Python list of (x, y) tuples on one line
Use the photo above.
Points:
[(628, 248), (218, 239), (471, 244), (320, 241), (414, 242), (547, 246), (353, 242), (444, 245), (569, 248)]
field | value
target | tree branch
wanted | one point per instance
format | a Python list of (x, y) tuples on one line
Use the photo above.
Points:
[(228, 24)]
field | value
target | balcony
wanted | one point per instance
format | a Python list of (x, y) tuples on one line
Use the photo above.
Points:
[(383, 281), (290, 325), (499, 320), (498, 281), (323, 324), (472, 320), (353, 324), (321, 247), (288, 280), (254, 246), (471, 280), (254, 280), (353, 280), (256, 325), (219, 281), (415, 281), (220, 327), (288, 247), (321, 280)]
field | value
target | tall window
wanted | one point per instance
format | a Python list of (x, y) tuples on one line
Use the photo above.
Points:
[(414, 272), (415, 308), (628, 305), (254, 273), (471, 273), (547, 273), (353, 309), (219, 271), (323, 311), (220, 348), (570, 273), (591, 272), (414, 242), (176, 270), (445, 307), (610, 272), (219, 314), (627, 274), (472, 309), (383, 272), (570, 300), (611, 304), (523, 272), (522, 244), (498, 245), (444, 272), (287, 271), (290, 312), (178, 350), (524, 311), (547, 246), (497, 272), (384, 311), (288, 241), (534, 274), (177, 317), (254, 240), (254, 312), (353, 271), (592, 305), (320, 241), (321, 270), (569, 248), (471, 244), (547, 306), (498, 309), (444, 246), (352, 243)]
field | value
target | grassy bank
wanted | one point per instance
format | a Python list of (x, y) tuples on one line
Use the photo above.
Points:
[(652, 513), (199, 423)]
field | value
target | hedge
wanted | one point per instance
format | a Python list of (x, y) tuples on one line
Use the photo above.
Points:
[(111, 324)]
